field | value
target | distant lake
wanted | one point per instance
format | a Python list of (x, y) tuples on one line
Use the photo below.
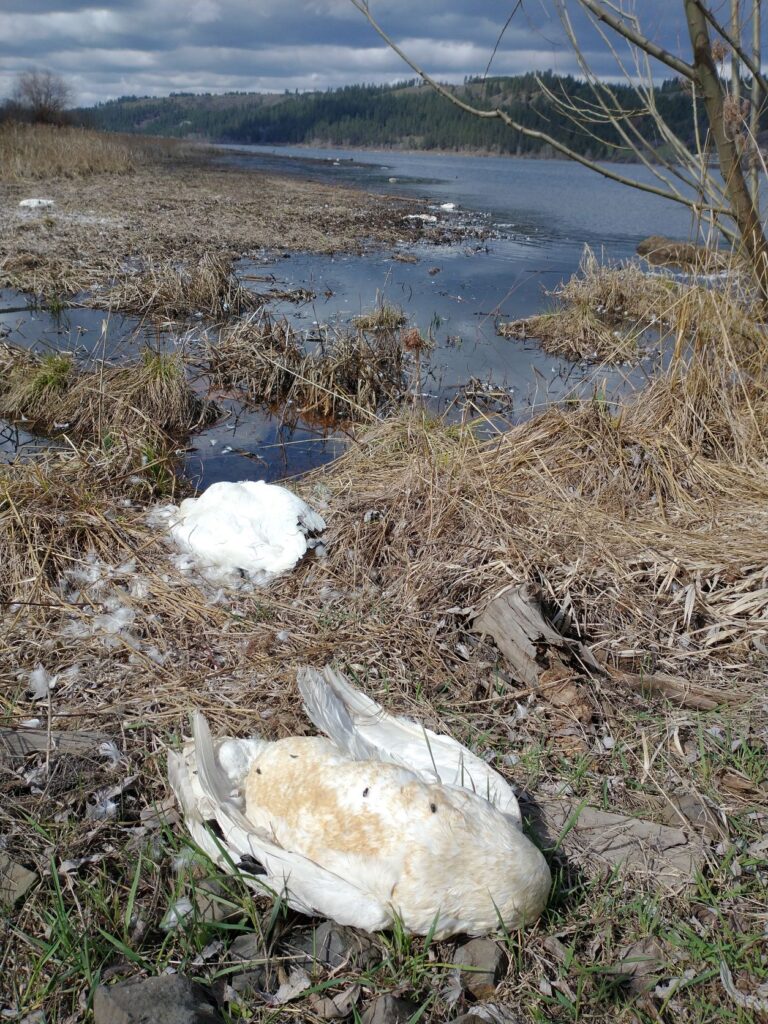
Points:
[(553, 206)]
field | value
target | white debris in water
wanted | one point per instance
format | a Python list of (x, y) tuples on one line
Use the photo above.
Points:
[(448, 206), (34, 204), (425, 218), (40, 683)]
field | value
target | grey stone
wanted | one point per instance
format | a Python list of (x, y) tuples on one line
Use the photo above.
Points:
[(170, 999), (486, 961), (388, 1009), (15, 880), (247, 947), (251, 983), (333, 945)]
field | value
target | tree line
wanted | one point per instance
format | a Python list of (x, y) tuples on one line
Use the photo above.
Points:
[(407, 115)]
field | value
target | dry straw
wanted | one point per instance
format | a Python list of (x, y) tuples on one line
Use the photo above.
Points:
[(168, 290), (347, 375), (45, 151), (135, 413)]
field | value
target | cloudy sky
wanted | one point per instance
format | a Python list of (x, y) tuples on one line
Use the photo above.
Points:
[(153, 47)]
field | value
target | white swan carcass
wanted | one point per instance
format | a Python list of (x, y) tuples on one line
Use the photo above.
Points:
[(252, 527), (383, 820)]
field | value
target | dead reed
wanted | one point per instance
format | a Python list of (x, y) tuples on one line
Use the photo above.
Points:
[(136, 411), (348, 375), (603, 313), (45, 151), (384, 317), (169, 290)]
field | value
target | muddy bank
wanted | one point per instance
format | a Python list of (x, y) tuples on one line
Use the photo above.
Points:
[(105, 225)]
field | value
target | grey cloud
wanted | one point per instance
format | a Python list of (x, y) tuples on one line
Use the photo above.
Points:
[(156, 46)]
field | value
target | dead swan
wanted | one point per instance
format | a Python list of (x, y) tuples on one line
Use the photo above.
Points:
[(383, 819)]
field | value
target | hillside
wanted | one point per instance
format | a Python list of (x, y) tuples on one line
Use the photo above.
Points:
[(406, 115)]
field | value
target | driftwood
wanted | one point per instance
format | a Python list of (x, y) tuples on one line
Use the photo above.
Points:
[(19, 742), (536, 652)]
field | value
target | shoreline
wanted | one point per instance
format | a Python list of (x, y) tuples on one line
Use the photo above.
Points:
[(101, 227)]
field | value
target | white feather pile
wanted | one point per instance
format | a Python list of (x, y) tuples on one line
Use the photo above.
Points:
[(251, 527)]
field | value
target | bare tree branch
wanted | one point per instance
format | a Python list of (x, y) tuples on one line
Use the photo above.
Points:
[(746, 59), (531, 133), (623, 29), (507, 23)]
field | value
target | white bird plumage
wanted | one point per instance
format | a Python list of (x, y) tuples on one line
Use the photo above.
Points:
[(254, 527), (383, 820)]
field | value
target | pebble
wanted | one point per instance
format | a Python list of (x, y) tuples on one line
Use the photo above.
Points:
[(388, 1009)]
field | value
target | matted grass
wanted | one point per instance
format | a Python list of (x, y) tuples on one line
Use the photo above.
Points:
[(170, 290), (615, 313), (135, 413)]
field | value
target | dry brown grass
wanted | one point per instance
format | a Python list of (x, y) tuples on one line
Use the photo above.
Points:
[(643, 524), (349, 376), (135, 411), (170, 290), (603, 313), (30, 152)]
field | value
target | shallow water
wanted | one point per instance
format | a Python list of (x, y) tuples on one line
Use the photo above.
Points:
[(539, 215)]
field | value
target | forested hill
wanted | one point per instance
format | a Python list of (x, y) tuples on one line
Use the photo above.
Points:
[(408, 115)]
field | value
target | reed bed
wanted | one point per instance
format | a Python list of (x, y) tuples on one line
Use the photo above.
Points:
[(168, 290), (384, 317), (349, 376), (29, 152), (134, 412), (603, 313)]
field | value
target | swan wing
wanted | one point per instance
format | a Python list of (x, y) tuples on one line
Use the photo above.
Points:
[(212, 808), (363, 730)]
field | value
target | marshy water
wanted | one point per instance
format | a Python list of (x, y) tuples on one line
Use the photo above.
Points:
[(535, 216)]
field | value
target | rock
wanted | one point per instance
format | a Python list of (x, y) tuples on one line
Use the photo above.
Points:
[(486, 962), (388, 1009), (688, 808), (247, 947), (335, 1007), (641, 965), (214, 903), (251, 983), (170, 999), (333, 945), (15, 880)]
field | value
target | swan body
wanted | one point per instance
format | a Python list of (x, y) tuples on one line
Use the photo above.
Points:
[(378, 820), (252, 527)]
